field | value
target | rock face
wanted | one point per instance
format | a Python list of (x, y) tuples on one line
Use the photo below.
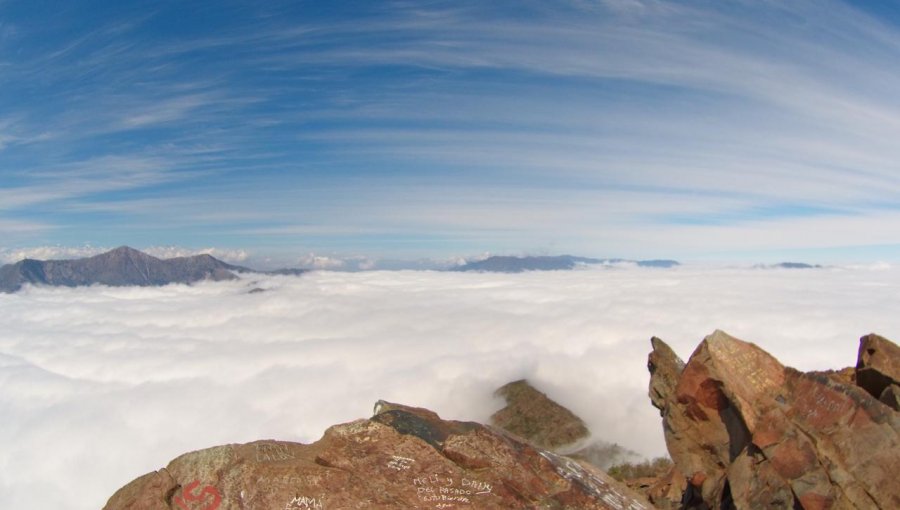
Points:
[(533, 416), (401, 458), (748, 432), (878, 369)]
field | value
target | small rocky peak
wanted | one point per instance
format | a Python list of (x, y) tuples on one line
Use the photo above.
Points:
[(532, 415), (665, 367)]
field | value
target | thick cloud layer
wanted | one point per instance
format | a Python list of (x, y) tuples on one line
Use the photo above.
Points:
[(100, 385)]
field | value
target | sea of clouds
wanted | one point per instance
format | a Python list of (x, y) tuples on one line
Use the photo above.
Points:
[(100, 385)]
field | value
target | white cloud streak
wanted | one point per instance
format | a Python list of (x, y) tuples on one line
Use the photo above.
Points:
[(25, 227), (656, 110), (99, 385)]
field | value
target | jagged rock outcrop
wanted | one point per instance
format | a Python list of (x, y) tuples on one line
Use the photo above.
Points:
[(748, 432), (533, 416), (401, 458), (878, 369)]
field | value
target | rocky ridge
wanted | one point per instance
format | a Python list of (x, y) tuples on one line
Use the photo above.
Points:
[(122, 266), (402, 457), (747, 432), (510, 264)]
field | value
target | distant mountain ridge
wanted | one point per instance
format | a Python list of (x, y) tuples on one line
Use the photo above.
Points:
[(511, 264), (122, 266), (125, 266), (788, 265)]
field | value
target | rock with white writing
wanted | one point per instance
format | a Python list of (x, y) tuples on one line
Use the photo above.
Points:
[(402, 458), (748, 432)]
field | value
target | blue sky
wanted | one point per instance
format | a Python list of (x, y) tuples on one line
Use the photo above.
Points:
[(757, 130)]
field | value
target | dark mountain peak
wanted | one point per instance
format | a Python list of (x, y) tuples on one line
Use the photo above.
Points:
[(125, 252), (119, 267)]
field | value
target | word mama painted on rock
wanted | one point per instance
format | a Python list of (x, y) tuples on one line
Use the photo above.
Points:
[(305, 503)]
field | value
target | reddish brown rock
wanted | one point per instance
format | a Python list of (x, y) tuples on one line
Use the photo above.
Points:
[(846, 375), (750, 433), (401, 458), (665, 492), (891, 397), (533, 416)]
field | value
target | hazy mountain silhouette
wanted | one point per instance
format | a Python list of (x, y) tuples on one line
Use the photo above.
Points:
[(788, 265), (120, 267), (508, 264)]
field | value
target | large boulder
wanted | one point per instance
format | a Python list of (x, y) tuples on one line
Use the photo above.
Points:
[(748, 432), (402, 458)]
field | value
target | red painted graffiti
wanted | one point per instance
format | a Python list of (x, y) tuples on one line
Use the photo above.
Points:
[(211, 502)]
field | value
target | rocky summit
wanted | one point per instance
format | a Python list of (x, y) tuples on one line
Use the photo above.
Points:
[(533, 416), (747, 432), (402, 457)]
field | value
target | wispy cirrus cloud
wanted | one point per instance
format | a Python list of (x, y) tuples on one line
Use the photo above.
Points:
[(12, 226), (688, 109), (82, 178)]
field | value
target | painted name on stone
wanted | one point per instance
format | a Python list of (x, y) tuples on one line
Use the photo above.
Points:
[(447, 491), (305, 503), (400, 463), (272, 452)]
